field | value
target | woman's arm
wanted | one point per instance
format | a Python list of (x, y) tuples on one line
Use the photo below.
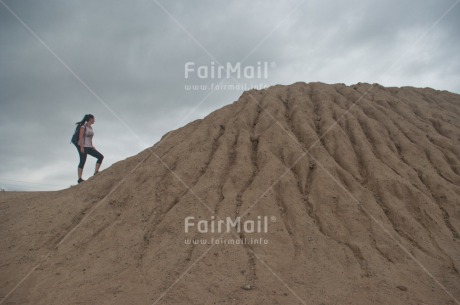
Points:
[(81, 136)]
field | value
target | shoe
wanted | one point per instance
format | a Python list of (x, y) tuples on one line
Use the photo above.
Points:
[(95, 173), (80, 180)]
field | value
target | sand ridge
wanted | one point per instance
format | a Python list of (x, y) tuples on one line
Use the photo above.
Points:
[(362, 196)]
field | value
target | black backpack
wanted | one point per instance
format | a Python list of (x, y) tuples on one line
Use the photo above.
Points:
[(76, 135)]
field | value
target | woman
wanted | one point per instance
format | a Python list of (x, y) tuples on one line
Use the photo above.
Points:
[(85, 144)]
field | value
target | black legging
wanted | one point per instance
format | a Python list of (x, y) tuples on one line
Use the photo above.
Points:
[(89, 151)]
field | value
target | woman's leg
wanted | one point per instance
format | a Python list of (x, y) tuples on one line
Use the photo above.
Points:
[(82, 162), (93, 152)]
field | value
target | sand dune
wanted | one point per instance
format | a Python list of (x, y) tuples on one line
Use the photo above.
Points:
[(360, 187)]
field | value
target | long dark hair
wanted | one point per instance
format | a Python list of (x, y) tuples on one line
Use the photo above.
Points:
[(85, 119)]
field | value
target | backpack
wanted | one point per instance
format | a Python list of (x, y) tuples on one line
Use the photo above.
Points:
[(76, 135)]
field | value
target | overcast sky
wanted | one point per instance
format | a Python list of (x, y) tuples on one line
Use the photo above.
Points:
[(125, 62)]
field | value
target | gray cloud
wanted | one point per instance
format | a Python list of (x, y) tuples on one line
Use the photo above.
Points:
[(132, 55)]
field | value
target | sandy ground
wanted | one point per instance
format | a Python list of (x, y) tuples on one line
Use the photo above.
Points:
[(363, 207)]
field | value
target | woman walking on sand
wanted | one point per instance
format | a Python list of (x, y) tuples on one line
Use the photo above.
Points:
[(85, 144)]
